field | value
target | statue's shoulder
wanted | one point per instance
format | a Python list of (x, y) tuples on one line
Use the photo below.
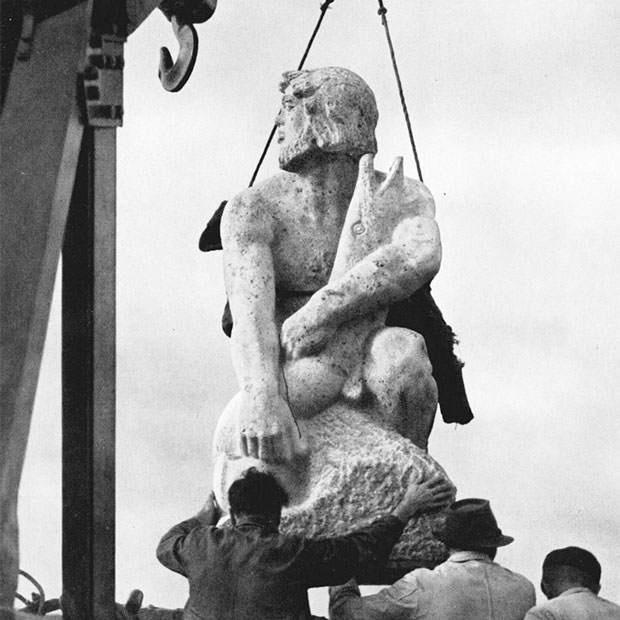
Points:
[(419, 198), (251, 212), (266, 192)]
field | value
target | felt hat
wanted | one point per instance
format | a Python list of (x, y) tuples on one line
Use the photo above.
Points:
[(470, 524)]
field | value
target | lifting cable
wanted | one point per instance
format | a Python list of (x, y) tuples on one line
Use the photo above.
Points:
[(382, 13)]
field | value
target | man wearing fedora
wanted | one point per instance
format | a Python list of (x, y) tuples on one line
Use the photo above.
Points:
[(468, 585), (571, 580)]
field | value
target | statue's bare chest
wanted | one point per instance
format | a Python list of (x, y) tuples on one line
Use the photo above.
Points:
[(304, 249)]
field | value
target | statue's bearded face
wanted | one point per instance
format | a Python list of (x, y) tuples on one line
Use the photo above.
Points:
[(294, 133), (329, 110)]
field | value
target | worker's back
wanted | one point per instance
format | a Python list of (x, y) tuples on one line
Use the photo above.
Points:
[(251, 572), (469, 585), (247, 572)]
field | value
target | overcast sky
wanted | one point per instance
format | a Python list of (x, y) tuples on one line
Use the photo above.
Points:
[(517, 122)]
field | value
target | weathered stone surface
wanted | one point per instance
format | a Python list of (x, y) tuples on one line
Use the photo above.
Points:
[(331, 400), (359, 470)]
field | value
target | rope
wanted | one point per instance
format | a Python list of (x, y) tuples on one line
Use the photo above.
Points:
[(382, 13), (38, 586), (323, 9)]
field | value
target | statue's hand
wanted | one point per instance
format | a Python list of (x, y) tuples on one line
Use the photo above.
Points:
[(268, 431), (301, 336)]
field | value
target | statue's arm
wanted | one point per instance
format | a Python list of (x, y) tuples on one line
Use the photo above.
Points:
[(265, 424), (250, 285), (395, 270), (392, 272)]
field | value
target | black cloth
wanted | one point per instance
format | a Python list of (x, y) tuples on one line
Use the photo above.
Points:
[(252, 572), (420, 313)]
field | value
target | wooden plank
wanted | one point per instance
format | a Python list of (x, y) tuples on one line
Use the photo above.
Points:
[(148, 613), (88, 301), (40, 137)]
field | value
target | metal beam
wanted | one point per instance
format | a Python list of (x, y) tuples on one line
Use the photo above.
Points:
[(88, 363), (40, 137)]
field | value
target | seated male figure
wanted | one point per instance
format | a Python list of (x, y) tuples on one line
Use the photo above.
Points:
[(313, 258)]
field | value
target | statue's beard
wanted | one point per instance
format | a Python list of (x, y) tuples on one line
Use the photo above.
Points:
[(296, 153)]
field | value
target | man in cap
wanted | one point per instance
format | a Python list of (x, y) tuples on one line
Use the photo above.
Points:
[(571, 581), (469, 585)]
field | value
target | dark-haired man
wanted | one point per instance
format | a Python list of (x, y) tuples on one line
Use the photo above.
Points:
[(467, 586), (251, 572), (571, 581)]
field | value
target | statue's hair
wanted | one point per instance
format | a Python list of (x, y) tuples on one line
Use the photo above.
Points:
[(340, 109)]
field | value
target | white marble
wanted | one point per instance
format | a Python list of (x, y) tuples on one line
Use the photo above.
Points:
[(313, 258)]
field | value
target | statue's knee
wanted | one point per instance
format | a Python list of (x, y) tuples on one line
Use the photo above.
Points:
[(225, 435), (400, 347)]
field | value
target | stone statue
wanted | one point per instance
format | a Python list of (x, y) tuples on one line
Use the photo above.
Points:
[(314, 256)]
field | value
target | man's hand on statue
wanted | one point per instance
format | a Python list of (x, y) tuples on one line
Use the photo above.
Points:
[(348, 588), (301, 338), (434, 493), (211, 511), (272, 435)]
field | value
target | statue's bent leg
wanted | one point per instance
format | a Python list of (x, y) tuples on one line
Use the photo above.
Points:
[(226, 450), (398, 374), (316, 382), (313, 384)]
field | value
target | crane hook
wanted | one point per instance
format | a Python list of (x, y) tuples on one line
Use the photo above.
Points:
[(174, 75)]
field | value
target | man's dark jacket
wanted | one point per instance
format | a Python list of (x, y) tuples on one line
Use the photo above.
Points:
[(251, 572)]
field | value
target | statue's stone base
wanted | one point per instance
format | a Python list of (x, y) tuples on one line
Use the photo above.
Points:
[(359, 470)]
